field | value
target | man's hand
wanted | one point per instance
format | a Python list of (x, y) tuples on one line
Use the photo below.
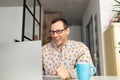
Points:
[(62, 72)]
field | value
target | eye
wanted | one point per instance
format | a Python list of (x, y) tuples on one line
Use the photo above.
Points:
[(58, 31), (51, 32)]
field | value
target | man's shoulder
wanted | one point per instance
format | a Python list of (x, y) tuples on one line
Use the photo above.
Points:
[(79, 43), (46, 45)]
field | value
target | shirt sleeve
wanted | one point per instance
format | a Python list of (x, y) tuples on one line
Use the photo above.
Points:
[(85, 56)]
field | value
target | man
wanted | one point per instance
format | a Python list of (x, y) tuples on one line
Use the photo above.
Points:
[(61, 54)]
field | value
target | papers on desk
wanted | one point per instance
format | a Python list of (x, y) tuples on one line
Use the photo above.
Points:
[(51, 77)]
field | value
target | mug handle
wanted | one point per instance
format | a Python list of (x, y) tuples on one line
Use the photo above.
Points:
[(94, 71)]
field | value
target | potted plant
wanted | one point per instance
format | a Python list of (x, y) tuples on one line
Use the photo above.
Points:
[(117, 9)]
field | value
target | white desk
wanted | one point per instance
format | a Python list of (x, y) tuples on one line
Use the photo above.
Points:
[(105, 78), (92, 78)]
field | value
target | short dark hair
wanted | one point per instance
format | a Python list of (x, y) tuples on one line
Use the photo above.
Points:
[(60, 19)]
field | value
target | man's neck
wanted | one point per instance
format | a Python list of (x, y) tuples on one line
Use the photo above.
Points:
[(61, 45)]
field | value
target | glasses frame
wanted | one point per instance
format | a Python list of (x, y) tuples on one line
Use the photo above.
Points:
[(52, 32)]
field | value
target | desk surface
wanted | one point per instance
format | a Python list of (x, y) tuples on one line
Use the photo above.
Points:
[(105, 78), (92, 78)]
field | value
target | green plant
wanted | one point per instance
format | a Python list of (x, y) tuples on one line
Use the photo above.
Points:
[(117, 8)]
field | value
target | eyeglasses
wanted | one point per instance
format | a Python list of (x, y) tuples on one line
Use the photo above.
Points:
[(57, 31)]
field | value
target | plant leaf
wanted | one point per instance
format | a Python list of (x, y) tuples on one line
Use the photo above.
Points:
[(116, 10), (117, 1), (117, 5)]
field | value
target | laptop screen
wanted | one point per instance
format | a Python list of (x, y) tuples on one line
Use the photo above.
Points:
[(21, 61)]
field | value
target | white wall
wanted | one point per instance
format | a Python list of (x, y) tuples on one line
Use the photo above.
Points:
[(103, 10), (10, 23), (75, 33)]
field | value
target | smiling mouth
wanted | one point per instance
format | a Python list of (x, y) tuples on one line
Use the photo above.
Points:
[(57, 41)]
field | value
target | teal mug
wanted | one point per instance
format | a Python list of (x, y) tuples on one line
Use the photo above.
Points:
[(85, 71)]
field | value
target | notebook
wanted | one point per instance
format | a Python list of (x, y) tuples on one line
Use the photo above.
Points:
[(21, 61)]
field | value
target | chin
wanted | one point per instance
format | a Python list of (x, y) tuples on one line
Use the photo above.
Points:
[(58, 43)]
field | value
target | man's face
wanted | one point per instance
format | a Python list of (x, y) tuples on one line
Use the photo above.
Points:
[(59, 33)]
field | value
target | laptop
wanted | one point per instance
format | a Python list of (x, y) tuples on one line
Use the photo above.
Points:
[(21, 61)]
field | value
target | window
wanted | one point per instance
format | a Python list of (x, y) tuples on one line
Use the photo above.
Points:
[(31, 29)]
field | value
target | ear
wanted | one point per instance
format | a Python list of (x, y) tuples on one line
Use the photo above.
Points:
[(68, 31)]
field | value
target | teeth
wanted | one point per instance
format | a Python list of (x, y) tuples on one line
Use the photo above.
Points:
[(57, 40)]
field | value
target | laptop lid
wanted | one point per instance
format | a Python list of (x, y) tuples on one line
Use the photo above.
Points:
[(21, 61)]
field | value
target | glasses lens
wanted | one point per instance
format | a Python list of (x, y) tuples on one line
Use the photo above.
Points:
[(51, 32), (57, 31)]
